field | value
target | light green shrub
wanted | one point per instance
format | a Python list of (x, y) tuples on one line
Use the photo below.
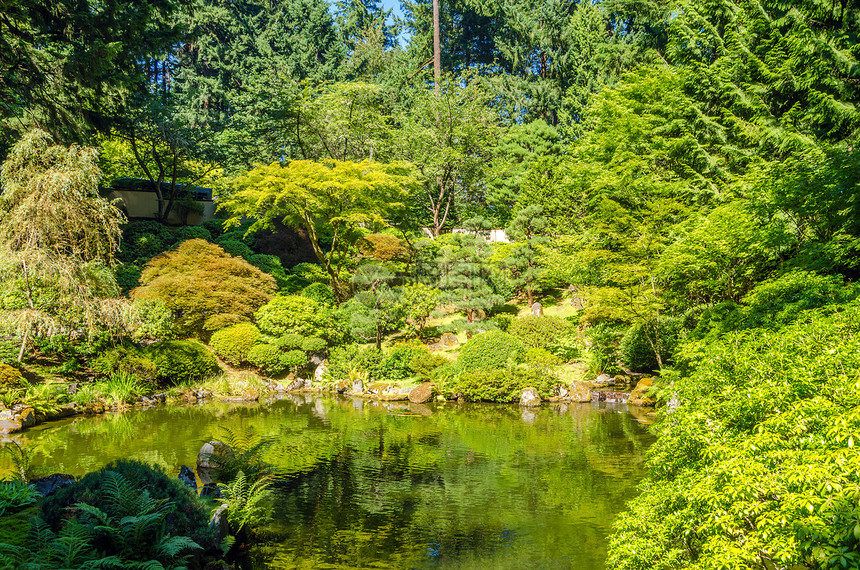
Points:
[(490, 351), (126, 360), (538, 332), (266, 357), (181, 361), (501, 384), (234, 343)]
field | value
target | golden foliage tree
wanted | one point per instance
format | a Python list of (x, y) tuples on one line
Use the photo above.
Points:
[(206, 288), (57, 240)]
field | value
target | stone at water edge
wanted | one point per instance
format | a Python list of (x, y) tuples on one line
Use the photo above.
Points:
[(604, 380), (357, 386), (320, 371), (27, 417), (205, 462), (297, 384), (186, 475), (530, 398), (537, 309), (9, 426), (580, 392), (47, 485), (423, 393), (639, 397)]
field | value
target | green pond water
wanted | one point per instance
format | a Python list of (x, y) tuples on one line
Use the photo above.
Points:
[(396, 485)]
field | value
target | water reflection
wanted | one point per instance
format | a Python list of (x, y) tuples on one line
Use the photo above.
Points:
[(396, 485)]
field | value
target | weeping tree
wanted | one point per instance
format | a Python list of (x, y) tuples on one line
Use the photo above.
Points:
[(57, 242)]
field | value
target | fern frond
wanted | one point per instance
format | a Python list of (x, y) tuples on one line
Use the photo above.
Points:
[(171, 547)]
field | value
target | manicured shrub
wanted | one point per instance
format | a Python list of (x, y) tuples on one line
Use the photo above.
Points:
[(636, 350), (292, 314), (538, 332), (384, 247), (126, 360), (271, 264), (503, 321), (180, 361), (403, 359), (185, 233), (188, 517), (292, 359), (311, 272), (314, 344), (541, 358), (236, 248), (268, 358), (9, 352), (320, 293), (234, 343), (127, 276), (490, 351), (215, 227), (351, 357), (199, 281), (500, 385), (10, 377)]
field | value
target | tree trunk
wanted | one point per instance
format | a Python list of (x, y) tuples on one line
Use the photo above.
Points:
[(437, 55)]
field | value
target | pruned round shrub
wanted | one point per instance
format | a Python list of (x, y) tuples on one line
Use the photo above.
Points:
[(292, 314), (9, 377), (404, 359), (128, 360), (319, 292), (489, 351), (271, 264), (500, 385), (267, 358), (234, 343), (188, 517), (314, 344), (344, 359), (215, 227), (538, 332), (293, 359), (236, 248), (638, 343), (290, 341), (127, 276), (191, 232), (180, 361)]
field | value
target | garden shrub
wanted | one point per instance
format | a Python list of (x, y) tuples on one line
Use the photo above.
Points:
[(293, 359), (9, 352), (126, 360), (181, 361), (311, 272), (314, 344), (233, 343), (185, 233), (267, 358), (215, 227), (188, 517), (501, 384), (757, 467), (400, 361), (10, 377), (489, 351), (541, 358), (343, 359), (127, 276), (236, 248), (636, 350), (286, 314), (320, 293), (199, 281), (141, 246), (539, 332), (603, 351), (503, 321), (384, 247), (271, 264)]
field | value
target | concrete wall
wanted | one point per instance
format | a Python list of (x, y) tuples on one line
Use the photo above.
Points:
[(139, 204)]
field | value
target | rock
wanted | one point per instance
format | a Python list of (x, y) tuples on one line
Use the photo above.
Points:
[(47, 485), (639, 395), (210, 490), (561, 392), (320, 371), (448, 340), (423, 393), (9, 426), (395, 397), (342, 387), (296, 385), (479, 315), (6, 415), (579, 392), (27, 417), (530, 398), (604, 380), (537, 309), (219, 522), (621, 380), (186, 475), (206, 462), (64, 411), (73, 388), (98, 407), (357, 386), (420, 409)]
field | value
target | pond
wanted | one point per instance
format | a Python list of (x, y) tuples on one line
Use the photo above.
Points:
[(396, 485)]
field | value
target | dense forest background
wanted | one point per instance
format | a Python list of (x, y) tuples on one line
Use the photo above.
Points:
[(684, 174)]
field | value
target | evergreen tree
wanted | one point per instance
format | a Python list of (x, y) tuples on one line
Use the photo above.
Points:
[(523, 261), (464, 274)]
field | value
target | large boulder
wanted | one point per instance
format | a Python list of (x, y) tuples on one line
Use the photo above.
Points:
[(320, 372), (357, 386), (580, 392), (423, 393), (47, 485), (27, 417), (219, 522), (186, 475), (604, 380), (537, 309), (208, 460), (448, 340), (530, 398), (639, 396), (9, 426)]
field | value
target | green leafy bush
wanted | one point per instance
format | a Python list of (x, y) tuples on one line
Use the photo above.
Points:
[(236, 248), (9, 352), (351, 357), (267, 357), (310, 272), (320, 293), (182, 361), (215, 227), (133, 511), (603, 350), (504, 320), (636, 348), (539, 332), (501, 384), (184, 233), (404, 360), (491, 350), (15, 495), (292, 314), (10, 377), (314, 344), (271, 264), (127, 276), (289, 341), (234, 343), (757, 467), (129, 360), (293, 359)]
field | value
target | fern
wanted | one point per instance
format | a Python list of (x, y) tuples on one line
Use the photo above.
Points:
[(248, 450), (244, 500)]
